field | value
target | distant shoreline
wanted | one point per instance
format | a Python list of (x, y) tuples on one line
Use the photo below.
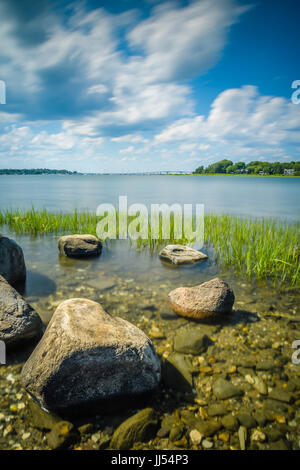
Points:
[(238, 175), (54, 173)]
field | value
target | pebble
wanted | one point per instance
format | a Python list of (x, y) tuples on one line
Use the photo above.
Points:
[(224, 389), (196, 437), (242, 435), (207, 444), (258, 436)]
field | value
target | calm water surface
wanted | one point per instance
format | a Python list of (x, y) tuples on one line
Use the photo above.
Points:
[(255, 196), (52, 278)]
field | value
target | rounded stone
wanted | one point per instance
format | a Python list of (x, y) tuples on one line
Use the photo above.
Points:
[(18, 320), (87, 357), (224, 389), (203, 301), (79, 246), (138, 428), (12, 264), (181, 254)]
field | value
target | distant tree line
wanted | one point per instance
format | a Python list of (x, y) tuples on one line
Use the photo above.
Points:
[(256, 168), (38, 171)]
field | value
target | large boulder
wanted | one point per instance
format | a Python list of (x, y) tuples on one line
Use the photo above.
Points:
[(181, 254), (79, 246), (88, 358), (203, 301), (12, 264), (18, 321)]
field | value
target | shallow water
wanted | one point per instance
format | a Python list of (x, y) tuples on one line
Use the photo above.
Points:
[(134, 285), (138, 278)]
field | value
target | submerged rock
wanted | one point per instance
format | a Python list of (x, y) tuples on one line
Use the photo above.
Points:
[(18, 320), (224, 390), (230, 422), (88, 357), (12, 264), (176, 373), (79, 246), (191, 341), (181, 254), (138, 428), (203, 301), (61, 436), (39, 418)]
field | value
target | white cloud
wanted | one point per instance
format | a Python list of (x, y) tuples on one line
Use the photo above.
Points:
[(244, 121), (133, 138), (181, 42), (79, 73), (129, 149)]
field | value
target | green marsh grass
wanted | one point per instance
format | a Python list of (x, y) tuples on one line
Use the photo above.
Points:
[(256, 248)]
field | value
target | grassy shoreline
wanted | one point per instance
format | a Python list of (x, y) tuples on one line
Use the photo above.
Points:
[(262, 249), (242, 175)]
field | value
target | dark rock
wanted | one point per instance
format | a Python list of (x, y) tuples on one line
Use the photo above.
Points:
[(176, 373), (279, 445), (230, 422), (274, 435), (139, 428), (260, 418), (12, 264), (246, 420), (41, 419), (61, 436), (18, 320), (176, 433), (86, 429), (79, 246)]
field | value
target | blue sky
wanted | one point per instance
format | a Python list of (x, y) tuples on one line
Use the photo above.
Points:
[(99, 86)]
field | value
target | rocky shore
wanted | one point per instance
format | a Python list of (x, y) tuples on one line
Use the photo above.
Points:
[(229, 383)]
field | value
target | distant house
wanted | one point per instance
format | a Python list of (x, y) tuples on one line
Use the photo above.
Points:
[(289, 171)]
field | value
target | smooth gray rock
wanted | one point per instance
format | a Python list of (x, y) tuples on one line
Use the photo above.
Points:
[(191, 341), (224, 390), (12, 264), (181, 254), (87, 357), (79, 246), (18, 320)]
